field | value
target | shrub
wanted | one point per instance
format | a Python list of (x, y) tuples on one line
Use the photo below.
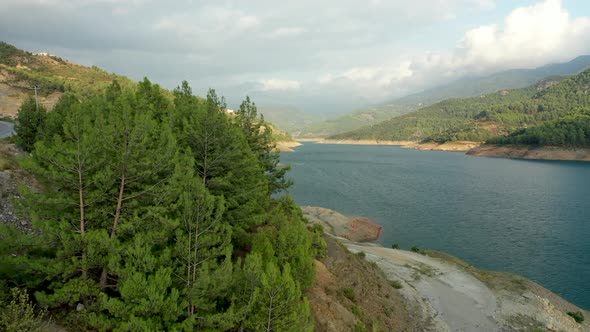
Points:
[(395, 246), (578, 316), (415, 249), (19, 315), (361, 254), (348, 293), (359, 327), (396, 284)]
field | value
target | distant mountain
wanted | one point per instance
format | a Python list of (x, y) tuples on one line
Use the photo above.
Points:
[(288, 118), (465, 87), (509, 79), (558, 106)]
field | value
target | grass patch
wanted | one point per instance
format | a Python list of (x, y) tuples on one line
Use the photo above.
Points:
[(361, 254)]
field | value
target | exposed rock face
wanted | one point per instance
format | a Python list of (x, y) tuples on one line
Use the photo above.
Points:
[(361, 229), (354, 229)]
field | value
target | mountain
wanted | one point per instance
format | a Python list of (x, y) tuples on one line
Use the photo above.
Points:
[(465, 87), (288, 118), (22, 72), (555, 102)]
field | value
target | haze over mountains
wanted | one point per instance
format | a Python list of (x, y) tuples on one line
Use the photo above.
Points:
[(322, 62), (465, 87)]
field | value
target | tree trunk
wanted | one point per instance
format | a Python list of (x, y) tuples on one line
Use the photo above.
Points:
[(103, 275)]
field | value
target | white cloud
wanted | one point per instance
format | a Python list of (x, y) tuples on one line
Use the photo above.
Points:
[(528, 37), (279, 84), (345, 50)]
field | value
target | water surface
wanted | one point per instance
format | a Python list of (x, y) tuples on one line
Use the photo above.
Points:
[(527, 217)]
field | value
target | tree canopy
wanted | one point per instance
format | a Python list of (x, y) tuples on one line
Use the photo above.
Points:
[(158, 213)]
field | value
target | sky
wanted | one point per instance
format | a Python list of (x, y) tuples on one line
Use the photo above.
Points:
[(320, 56)]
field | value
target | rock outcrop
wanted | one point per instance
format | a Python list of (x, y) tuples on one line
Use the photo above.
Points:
[(352, 228)]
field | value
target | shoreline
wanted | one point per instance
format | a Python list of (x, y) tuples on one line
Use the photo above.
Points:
[(530, 152), (448, 294), (476, 149), (286, 146), (459, 146)]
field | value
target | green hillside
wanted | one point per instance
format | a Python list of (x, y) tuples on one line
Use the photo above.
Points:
[(53, 74), (466, 87), (503, 113)]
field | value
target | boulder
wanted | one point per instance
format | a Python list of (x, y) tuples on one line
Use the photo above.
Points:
[(353, 228)]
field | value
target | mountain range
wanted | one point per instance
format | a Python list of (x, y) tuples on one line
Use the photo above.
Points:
[(465, 87)]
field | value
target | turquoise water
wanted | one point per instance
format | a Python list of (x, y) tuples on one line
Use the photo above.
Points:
[(527, 217)]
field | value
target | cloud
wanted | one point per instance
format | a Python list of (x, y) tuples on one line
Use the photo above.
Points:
[(528, 37), (279, 84), (345, 51)]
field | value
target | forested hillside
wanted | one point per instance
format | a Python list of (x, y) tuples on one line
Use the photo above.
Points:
[(153, 213), (554, 102), (462, 88)]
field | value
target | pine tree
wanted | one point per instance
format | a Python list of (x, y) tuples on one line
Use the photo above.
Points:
[(276, 303), (30, 120), (223, 161), (260, 139), (202, 250)]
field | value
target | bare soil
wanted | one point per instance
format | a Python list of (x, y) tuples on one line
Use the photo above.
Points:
[(352, 294)]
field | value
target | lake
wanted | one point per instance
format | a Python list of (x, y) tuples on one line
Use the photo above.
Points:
[(526, 217)]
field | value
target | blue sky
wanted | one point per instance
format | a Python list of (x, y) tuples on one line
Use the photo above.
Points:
[(319, 56)]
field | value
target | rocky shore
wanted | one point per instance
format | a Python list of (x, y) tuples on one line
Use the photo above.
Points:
[(442, 293), (448, 146), (478, 149), (528, 152), (287, 146)]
